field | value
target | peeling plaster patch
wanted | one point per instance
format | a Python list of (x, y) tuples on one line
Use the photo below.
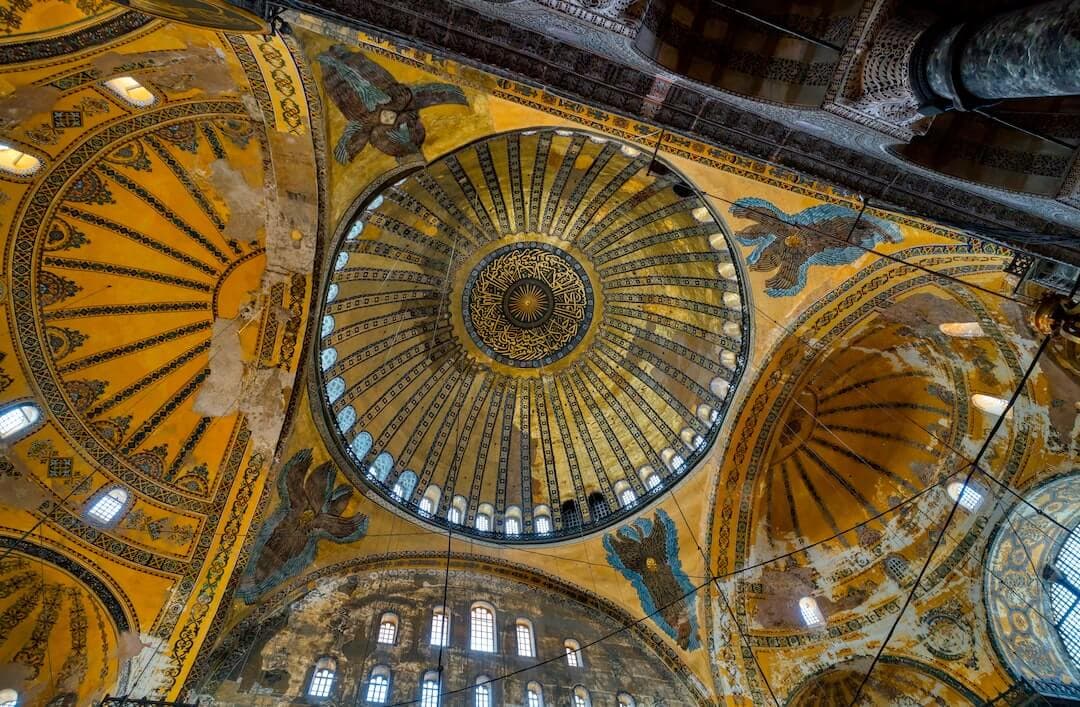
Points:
[(263, 402), (200, 68), (16, 109), (292, 214), (219, 395), (246, 204)]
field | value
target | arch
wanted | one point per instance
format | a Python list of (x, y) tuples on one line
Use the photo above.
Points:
[(328, 358), (440, 626), (430, 500), (327, 326), (534, 695), (482, 627), (598, 506), (969, 495), (573, 653), (650, 478), (484, 514), (16, 162), (1030, 627), (962, 330), (346, 417), (691, 439), (429, 689), (523, 634), (18, 420), (381, 467), (361, 445), (673, 459), (581, 696), (571, 516), (542, 520), (322, 678), (130, 90), (388, 628), (335, 388), (893, 679), (512, 521), (332, 292), (108, 506), (456, 512), (625, 699), (8, 698), (707, 414), (811, 613), (625, 493), (405, 485), (378, 688), (991, 405), (482, 691)]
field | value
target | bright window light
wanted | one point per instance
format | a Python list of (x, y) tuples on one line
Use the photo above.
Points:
[(108, 506), (969, 497), (811, 614), (18, 418), (20, 164), (131, 91), (482, 630)]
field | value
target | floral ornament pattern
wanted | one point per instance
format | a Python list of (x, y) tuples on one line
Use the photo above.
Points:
[(792, 243), (646, 552), (310, 510), (379, 109)]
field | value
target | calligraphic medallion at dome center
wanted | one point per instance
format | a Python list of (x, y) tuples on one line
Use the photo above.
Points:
[(527, 304)]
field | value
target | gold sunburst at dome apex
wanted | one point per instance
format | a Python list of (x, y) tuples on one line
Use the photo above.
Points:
[(527, 302)]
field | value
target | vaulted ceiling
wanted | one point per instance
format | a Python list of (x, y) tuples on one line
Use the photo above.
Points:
[(315, 262)]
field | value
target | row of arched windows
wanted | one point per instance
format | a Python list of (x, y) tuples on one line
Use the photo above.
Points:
[(482, 633), (105, 506), (379, 680)]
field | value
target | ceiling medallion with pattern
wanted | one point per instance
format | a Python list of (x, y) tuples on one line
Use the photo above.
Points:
[(527, 304), (530, 338)]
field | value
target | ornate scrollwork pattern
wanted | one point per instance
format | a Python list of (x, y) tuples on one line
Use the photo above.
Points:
[(527, 304)]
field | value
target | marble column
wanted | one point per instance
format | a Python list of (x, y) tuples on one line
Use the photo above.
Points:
[(1021, 54)]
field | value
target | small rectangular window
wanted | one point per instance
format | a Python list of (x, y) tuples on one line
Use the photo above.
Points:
[(440, 629)]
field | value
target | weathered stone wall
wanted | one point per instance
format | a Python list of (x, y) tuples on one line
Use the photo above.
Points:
[(340, 618)]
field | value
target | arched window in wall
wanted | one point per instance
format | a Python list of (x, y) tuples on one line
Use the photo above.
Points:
[(456, 512), (388, 626), (969, 495), (992, 405), (404, 486), (625, 494), (430, 501), (1064, 577), (626, 700), (534, 695), (322, 680), (598, 506), (378, 689), (17, 420), (811, 614), (573, 653), (9, 698), (962, 330), (571, 516), (381, 467), (484, 513), (128, 88), (649, 477), (512, 521), (482, 692), (18, 163), (542, 520), (482, 628), (107, 506), (523, 632), (581, 697), (440, 626), (429, 689)]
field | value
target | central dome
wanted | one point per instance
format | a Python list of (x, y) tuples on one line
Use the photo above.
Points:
[(530, 337), (527, 304)]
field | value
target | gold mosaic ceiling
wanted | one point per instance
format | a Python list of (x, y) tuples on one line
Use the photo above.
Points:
[(536, 320)]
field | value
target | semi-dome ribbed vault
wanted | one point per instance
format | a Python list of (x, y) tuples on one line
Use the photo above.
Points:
[(535, 325)]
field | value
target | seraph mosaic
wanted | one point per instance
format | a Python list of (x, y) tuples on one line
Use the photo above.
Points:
[(380, 110), (311, 509), (646, 552), (791, 243)]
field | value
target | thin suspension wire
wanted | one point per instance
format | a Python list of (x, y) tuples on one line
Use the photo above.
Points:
[(952, 512)]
